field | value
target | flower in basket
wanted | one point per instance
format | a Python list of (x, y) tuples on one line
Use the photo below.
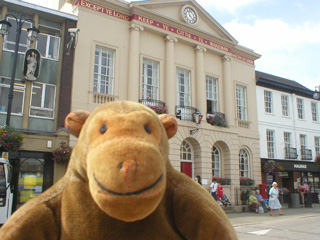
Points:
[(159, 109), (222, 180), (245, 181), (216, 120), (10, 140), (272, 167), (317, 159), (62, 154)]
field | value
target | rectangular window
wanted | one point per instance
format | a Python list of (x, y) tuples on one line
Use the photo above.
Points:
[(317, 145), (18, 96), (150, 80), (303, 141), (43, 100), (212, 94), (268, 101), (103, 79), (285, 105), (270, 143), (287, 139), (10, 39), (241, 95), (314, 110), (300, 108), (183, 87), (48, 46)]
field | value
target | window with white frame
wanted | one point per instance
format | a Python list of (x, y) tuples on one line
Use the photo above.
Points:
[(18, 96), (241, 95), (186, 152), (103, 80), (285, 105), (287, 140), (10, 39), (216, 162), (183, 87), (43, 99), (300, 108), (244, 163), (150, 79), (48, 46), (212, 94), (317, 145), (270, 143), (303, 141), (268, 101), (314, 110)]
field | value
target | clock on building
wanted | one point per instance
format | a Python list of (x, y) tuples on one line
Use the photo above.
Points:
[(189, 15)]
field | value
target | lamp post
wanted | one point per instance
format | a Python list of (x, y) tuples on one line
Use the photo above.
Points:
[(198, 118), (32, 36), (316, 94)]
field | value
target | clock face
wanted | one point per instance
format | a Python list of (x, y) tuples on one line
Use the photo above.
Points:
[(190, 15)]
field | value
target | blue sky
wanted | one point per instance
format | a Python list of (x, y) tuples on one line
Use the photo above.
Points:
[(285, 32)]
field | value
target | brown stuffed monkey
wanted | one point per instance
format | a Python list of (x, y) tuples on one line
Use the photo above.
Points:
[(120, 185)]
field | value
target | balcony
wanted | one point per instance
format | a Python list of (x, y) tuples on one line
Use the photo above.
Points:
[(217, 119), (306, 154), (290, 153), (243, 123), (186, 113), (158, 106), (101, 98)]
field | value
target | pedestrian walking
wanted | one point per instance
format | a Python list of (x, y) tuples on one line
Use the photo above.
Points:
[(273, 199), (214, 189)]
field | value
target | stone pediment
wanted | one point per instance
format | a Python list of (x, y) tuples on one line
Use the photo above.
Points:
[(188, 13)]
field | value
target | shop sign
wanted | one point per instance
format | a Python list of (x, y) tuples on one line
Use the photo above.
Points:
[(300, 166), (283, 174), (269, 179)]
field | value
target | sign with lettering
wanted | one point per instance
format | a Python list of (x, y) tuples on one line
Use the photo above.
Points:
[(113, 13), (300, 166)]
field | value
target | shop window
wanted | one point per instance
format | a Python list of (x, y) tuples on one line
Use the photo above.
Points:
[(30, 179), (150, 79), (103, 79), (43, 100), (18, 96), (10, 39)]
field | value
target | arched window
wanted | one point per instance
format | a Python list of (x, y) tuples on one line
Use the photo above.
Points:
[(186, 158), (215, 162), (244, 163)]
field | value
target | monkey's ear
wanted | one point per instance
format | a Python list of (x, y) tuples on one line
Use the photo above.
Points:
[(170, 124), (75, 121)]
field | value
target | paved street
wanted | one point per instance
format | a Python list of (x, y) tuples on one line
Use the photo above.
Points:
[(298, 223)]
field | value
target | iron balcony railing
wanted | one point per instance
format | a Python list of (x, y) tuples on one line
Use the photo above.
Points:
[(306, 154), (291, 153), (217, 119), (186, 113), (158, 106)]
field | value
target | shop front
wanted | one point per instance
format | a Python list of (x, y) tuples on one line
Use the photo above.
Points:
[(294, 174)]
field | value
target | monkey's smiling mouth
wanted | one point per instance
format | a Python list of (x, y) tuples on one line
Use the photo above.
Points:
[(128, 193)]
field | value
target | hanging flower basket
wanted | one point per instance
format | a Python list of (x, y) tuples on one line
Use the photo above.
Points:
[(222, 180), (272, 167), (62, 154), (317, 159), (159, 109), (10, 140), (245, 181), (216, 120)]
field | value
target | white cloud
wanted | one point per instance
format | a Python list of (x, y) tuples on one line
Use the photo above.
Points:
[(226, 5)]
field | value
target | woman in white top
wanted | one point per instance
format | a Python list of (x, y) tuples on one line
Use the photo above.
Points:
[(273, 199)]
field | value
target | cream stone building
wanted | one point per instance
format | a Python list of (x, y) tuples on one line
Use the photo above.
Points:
[(173, 54)]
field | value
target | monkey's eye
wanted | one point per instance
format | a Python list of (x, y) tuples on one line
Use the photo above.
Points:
[(147, 129), (103, 128)]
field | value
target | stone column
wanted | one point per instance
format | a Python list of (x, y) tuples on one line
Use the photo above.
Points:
[(170, 75), (229, 92), (133, 86), (200, 81)]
